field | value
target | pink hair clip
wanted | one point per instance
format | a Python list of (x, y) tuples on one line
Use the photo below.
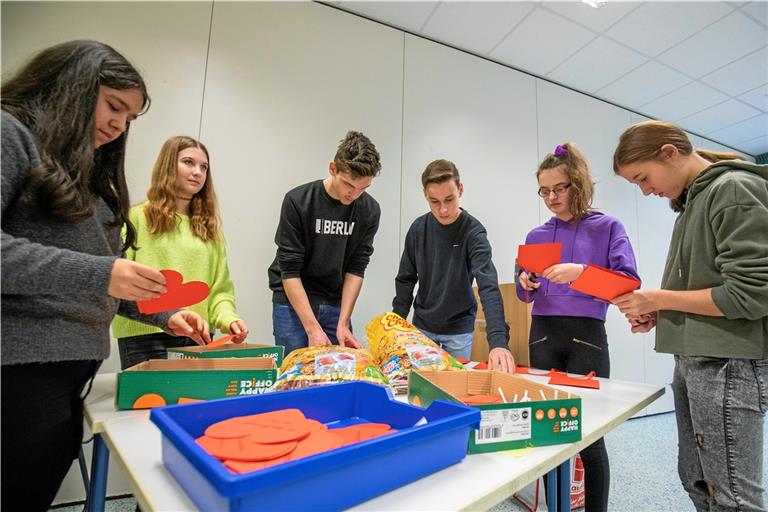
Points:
[(561, 150)]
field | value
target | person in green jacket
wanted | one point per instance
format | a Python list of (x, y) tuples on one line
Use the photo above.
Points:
[(179, 228), (712, 309)]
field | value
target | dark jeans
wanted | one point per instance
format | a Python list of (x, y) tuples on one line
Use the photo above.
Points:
[(290, 333), (42, 429), (577, 345), (137, 349)]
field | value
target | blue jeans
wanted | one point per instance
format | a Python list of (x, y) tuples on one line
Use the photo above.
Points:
[(458, 345), (720, 406), (290, 333)]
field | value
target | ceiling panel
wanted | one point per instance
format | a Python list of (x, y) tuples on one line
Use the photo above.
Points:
[(406, 15), (476, 26), (756, 146), (595, 19), (743, 75), (723, 42), (757, 97), (723, 114), (709, 59), (743, 131), (599, 63), (683, 102), (541, 42), (643, 84), (757, 11), (656, 26)]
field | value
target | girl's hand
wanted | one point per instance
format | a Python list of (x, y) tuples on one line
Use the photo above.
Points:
[(239, 329), (189, 324), (133, 281), (642, 323), (563, 273), (526, 283), (637, 303)]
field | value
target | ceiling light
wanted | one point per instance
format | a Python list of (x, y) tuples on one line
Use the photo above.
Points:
[(595, 3)]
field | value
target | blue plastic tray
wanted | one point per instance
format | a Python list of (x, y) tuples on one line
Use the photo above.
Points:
[(332, 480)]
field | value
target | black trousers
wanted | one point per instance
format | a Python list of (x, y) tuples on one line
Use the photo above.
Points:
[(137, 349), (42, 429), (577, 345)]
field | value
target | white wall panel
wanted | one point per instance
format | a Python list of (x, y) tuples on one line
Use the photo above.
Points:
[(482, 117), (286, 81)]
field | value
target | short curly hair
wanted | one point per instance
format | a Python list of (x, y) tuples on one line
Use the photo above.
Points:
[(357, 155)]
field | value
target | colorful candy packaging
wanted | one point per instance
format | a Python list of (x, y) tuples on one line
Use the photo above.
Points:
[(315, 366), (399, 347)]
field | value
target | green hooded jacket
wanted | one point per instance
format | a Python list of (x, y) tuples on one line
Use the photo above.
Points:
[(720, 241)]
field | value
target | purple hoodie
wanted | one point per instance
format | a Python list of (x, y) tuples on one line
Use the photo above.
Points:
[(599, 239)]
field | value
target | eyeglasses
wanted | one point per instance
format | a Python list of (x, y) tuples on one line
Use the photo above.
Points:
[(559, 190)]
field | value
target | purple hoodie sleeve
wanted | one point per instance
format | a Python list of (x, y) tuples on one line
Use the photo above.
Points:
[(621, 256)]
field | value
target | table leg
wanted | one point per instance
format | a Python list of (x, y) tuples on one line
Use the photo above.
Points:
[(97, 494), (552, 489), (564, 486)]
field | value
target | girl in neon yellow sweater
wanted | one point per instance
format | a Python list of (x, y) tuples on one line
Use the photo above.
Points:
[(179, 228)]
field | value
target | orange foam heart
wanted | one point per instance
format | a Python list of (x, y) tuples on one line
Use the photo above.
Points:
[(178, 295)]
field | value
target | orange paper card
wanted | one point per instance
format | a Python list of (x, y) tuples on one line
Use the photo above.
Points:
[(219, 342), (538, 257), (604, 283), (178, 295)]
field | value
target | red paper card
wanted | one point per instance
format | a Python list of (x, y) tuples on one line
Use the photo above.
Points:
[(178, 295), (538, 257), (219, 342), (563, 379), (604, 283)]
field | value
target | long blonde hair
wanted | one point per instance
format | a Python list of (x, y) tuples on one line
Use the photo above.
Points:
[(643, 141), (576, 169), (161, 210)]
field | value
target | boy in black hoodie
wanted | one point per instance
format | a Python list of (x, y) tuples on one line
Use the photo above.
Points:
[(324, 243)]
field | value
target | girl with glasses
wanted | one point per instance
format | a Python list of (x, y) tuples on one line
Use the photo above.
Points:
[(568, 327), (712, 309)]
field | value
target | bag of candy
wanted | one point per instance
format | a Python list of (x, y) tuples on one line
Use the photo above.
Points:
[(315, 366), (399, 347)]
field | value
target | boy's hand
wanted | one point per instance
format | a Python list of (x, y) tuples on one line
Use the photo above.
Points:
[(346, 338), (502, 360), (316, 337)]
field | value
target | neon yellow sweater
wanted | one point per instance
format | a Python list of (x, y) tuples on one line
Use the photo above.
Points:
[(195, 259)]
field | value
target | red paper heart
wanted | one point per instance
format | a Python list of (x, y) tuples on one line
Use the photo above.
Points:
[(178, 295)]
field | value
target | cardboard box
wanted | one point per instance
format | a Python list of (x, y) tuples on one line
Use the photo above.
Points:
[(518, 316), (229, 350), (551, 418), (167, 381)]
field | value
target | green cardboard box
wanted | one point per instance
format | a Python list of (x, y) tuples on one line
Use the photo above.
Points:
[(550, 417), (229, 350), (167, 381)]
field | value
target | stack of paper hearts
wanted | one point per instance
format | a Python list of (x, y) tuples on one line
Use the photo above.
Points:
[(250, 443)]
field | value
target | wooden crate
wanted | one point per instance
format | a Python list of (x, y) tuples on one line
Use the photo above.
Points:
[(518, 316)]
